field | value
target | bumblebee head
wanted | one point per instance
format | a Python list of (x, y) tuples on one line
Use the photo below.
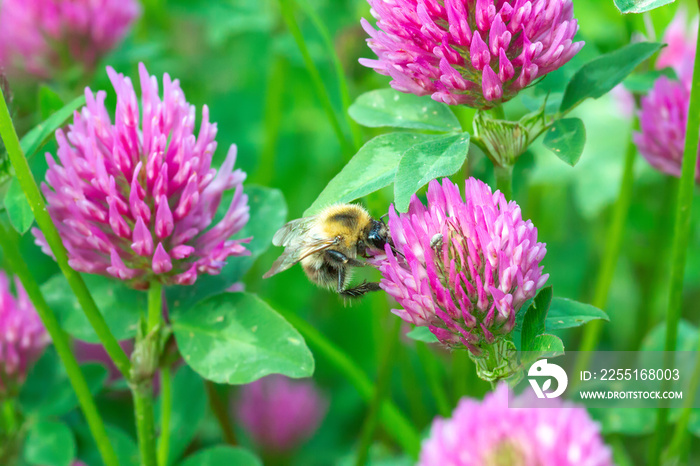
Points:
[(378, 235)]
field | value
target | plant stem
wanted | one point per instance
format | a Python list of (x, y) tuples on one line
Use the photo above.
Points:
[(143, 409), (380, 391), (681, 239), (465, 115), (10, 246), (166, 406), (435, 382), (146, 352), (10, 434), (220, 410), (43, 219), (155, 305), (394, 421), (498, 112), (460, 375), (287, 9), (613, 244), (681, 430), (504, 180), (339, 71)]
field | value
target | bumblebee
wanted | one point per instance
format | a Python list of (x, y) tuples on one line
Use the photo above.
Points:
[(328, 246)]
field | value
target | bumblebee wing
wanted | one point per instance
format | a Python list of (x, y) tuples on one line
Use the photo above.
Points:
[(297, 252), (292, 231)]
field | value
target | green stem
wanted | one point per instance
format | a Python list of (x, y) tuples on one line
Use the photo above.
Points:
[(43, 219), (504, 180), (681, 239), (394, 421), (465, 115), (143, 409), (435, 382), (10, 433), (460, 375), (147, 351), (681, 430), (166, 406), (339, 71), (287, 9), (145, 354), (220, 410), (155, 305), (613, 244), (10, 246), (380, 391), (498, 112)]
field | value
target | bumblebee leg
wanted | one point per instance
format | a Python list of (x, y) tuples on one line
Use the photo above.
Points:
[(359, 290), (339, 257), (342, 275)]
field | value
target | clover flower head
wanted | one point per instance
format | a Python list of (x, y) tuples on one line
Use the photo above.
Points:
[(463, 266), (496, 432), (39, 36), (23, 337), (662, 119), (280, 413), (134, 198), (474, 52), (664, 110)]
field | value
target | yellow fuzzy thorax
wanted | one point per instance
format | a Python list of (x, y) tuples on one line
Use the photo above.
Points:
[(348, 221)]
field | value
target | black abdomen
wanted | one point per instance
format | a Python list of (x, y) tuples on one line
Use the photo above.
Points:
[(326, 275)]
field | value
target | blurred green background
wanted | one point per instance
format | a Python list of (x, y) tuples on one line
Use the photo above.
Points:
[(238, 57)]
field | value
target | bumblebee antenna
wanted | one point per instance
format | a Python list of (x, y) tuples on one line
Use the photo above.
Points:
[(396, 251), (383, 217)]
